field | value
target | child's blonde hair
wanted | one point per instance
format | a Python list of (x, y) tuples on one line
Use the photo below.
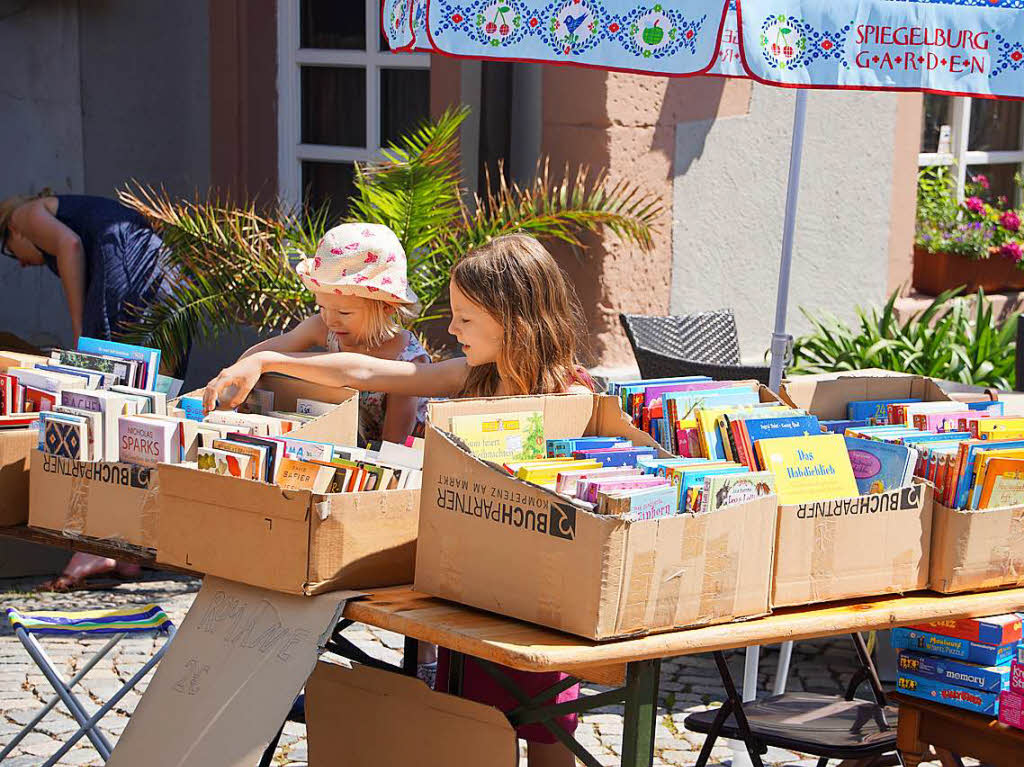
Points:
[(515, 279), (386, 320)]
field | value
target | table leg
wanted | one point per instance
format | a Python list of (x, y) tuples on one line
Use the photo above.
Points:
[(456, 669), (907, 741), (641, 712)]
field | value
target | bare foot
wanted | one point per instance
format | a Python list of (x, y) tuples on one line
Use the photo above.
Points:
[(84, 566)]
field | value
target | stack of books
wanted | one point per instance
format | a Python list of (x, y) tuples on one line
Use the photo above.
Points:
[(964, 663), (973, 456)]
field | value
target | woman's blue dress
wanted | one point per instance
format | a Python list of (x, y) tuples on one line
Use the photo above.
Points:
[(122, 260)]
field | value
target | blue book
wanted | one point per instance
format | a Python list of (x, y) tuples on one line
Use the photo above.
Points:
[(617, 458), (616, 387), (685, 402), (770, 427), (563, 448), (875, 410), (694, 478), (151, 357), (193, 407), (880, 466), (946, 436), (840, 427), (979, 702), (951, 671), (952, 647), (994, 409)]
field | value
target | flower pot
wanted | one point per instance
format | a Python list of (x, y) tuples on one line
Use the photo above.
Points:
[(936, 272)]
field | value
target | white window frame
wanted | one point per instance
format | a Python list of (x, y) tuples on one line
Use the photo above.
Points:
[(960, 157), (290, 59)]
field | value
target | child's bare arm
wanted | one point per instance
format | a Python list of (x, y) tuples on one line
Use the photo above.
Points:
[(358, 371), (304, 336), (400, 413)]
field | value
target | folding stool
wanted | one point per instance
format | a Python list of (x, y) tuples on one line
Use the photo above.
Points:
[(116, 623)]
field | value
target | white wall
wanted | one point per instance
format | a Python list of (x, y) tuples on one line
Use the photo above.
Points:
[(729, 195)]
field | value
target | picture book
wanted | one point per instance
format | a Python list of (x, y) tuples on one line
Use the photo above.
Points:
[(302, 475), (147, 442), (721, 490), (256, 455), (936, 691), (996, 408), (954, 672), (964, 472), (275, 451), (304, 449), (995, 629), (952, 647), (983, 426), (150, 358), (615, 456), (502, 436), (808, 468), (880, 466), (224, 462), (566, 481), (840, 427), (557, 448), (775, 426), (637, 505), (1002, 484), (875, 411)]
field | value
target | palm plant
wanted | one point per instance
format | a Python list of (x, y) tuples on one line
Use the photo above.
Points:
[(950, 339), (233, 265)]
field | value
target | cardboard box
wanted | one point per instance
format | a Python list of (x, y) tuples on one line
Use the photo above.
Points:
[(374, 718), (16, 447), (495, 542), (977, 550), (94, 499), (827, 395), (295, 542), (853, 547)]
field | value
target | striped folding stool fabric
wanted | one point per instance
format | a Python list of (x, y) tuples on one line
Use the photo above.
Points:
[(114, 624)]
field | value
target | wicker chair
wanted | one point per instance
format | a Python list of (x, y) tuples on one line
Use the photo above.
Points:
[(705, 343)]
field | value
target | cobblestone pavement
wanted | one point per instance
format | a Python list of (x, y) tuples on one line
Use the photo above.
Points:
[(688, 684)]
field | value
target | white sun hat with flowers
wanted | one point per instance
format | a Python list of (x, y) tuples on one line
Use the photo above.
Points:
[(359, 260)]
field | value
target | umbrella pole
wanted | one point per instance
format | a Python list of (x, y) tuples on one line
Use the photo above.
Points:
[(780, 339), (780, 346)]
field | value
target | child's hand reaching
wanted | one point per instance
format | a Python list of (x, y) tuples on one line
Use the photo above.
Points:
[(232, 386)]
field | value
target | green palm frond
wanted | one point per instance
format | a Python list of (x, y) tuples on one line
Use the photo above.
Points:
[(233, 265)]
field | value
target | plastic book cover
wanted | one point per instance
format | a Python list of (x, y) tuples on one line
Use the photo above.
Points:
[(880, 466), (808, 469), (956, 672)]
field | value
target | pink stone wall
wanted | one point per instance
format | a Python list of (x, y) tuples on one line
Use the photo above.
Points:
[(626, 123)]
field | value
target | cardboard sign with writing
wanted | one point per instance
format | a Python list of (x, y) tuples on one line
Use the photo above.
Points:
[(224, 687)]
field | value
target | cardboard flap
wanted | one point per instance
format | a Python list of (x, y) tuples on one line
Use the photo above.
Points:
[(235, 493), (375, 718), (827, 396), (977, 549), (229, 677), (16, 446)]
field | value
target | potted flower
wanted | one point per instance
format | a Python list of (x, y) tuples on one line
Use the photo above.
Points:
[(977, 243)]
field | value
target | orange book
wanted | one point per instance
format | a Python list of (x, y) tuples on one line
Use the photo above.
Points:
[(1003, 483)]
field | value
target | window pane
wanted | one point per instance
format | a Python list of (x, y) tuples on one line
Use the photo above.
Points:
[(334, 106), (938, 111), (1000, 179), (404, 101), (995, 125), (330, 183), (333, 24)]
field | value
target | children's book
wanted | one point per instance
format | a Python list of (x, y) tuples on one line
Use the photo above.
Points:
[(567, 480), (983, 426), (637, 505), (874, 410), (304, 449), (1003, 483), (721, 490), (302, 475), (773, 427), (224, 462), (193, 407), (840, 427), (808, 469), (501, 437), (558, 448), (615, 456), (256, 455), (150, 358), (880, 466)]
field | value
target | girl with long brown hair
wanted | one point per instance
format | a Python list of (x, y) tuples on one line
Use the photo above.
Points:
[(519, 323)]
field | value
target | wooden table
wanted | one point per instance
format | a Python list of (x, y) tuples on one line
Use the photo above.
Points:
[(964, 733), (633, 664)]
